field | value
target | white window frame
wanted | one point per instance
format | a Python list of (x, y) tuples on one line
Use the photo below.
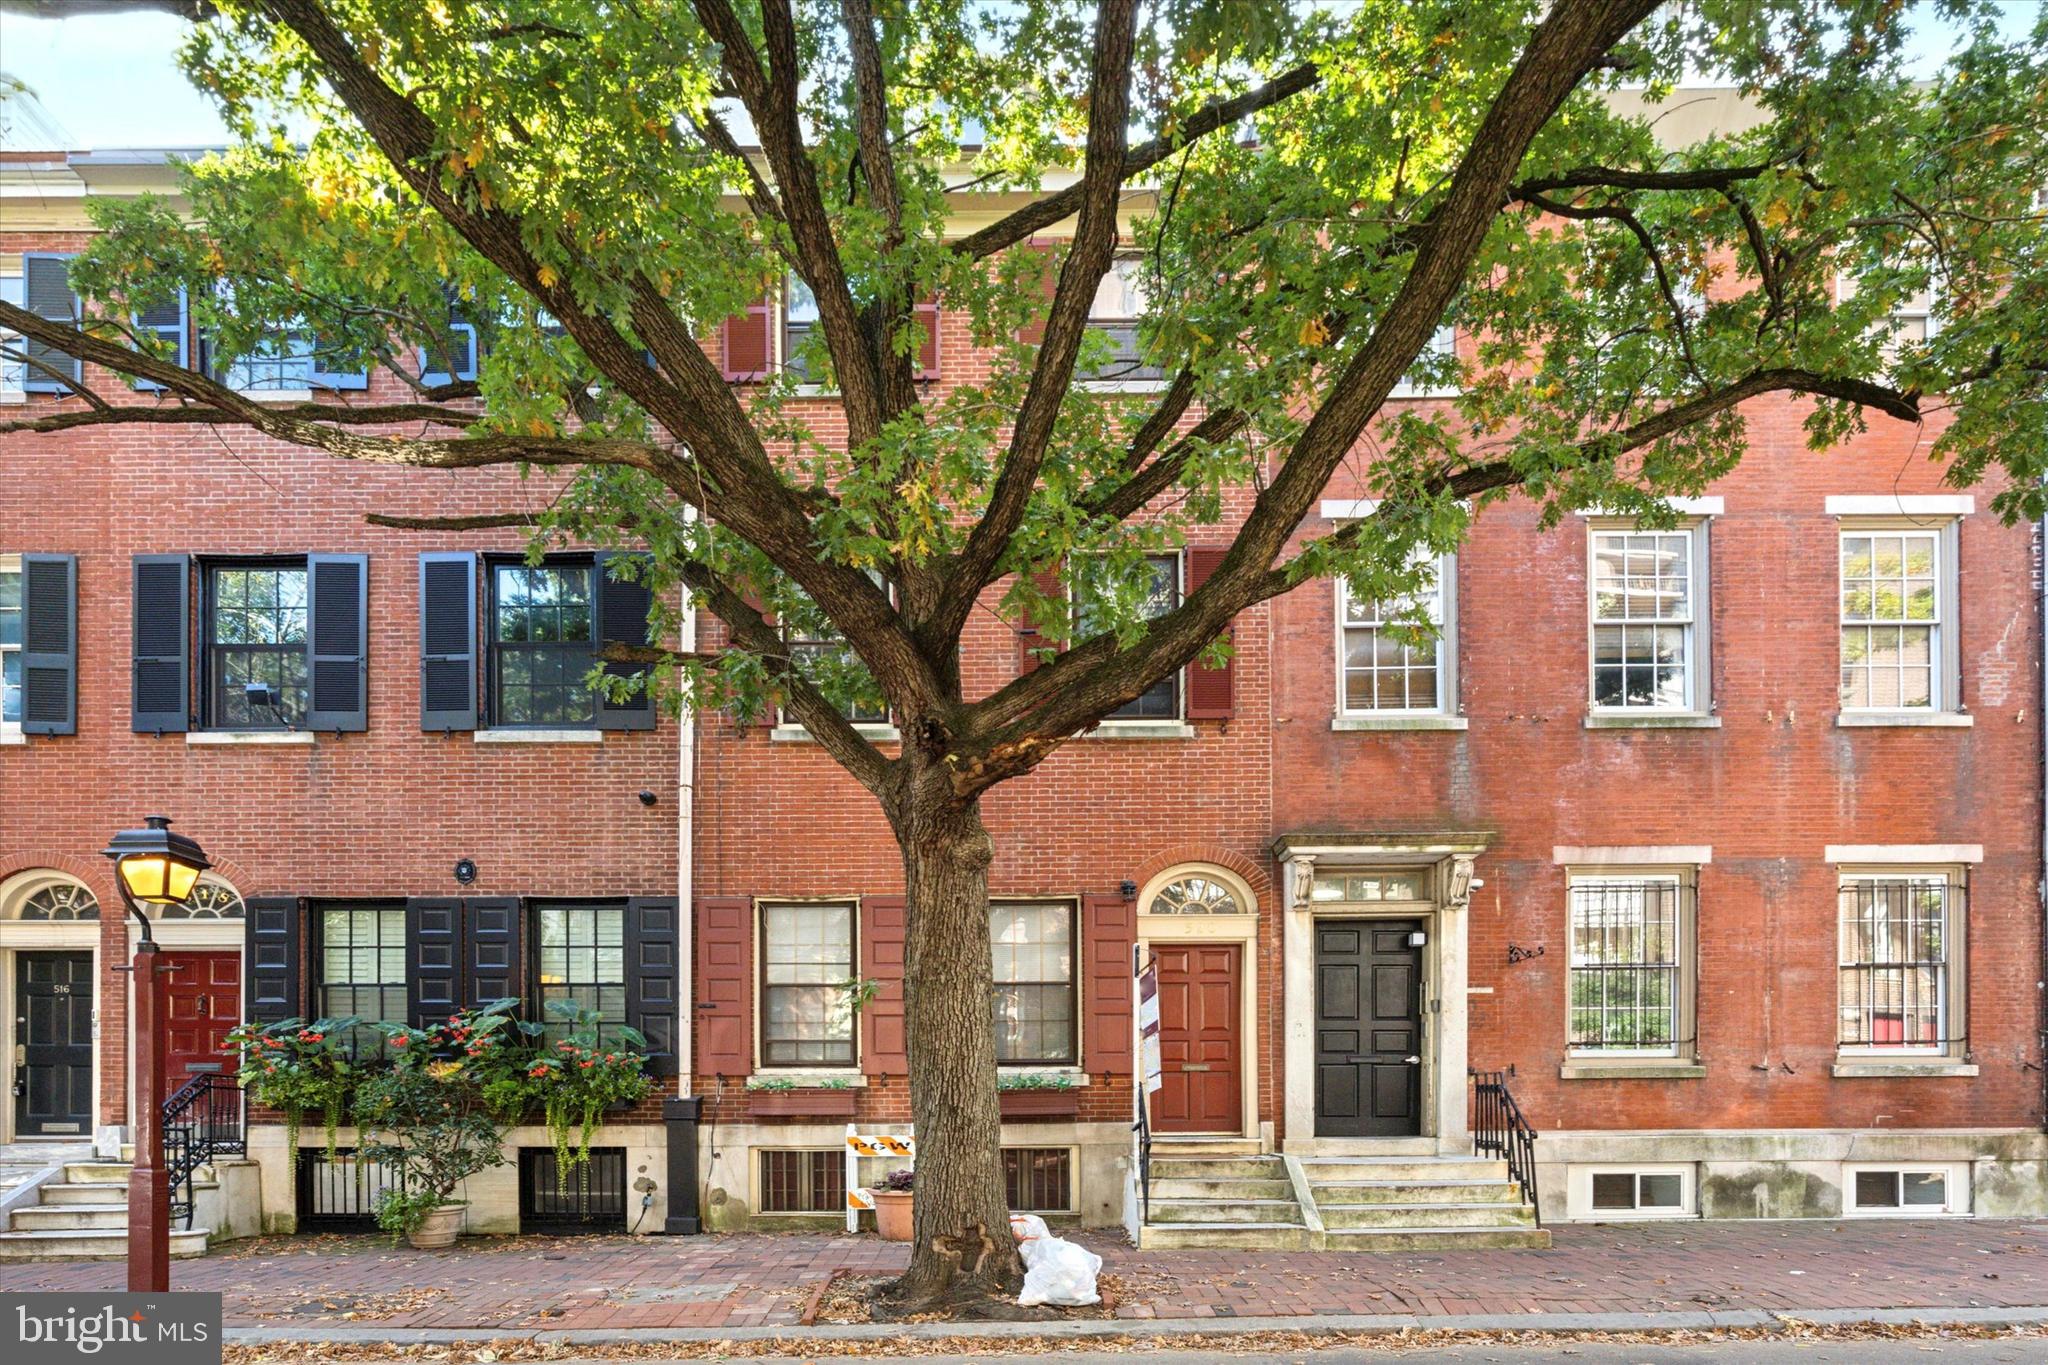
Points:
[(1945, 661), (13, 289), (1129, 383), (1951, 1000), (1073, 913), (1442, 341), (1579, 1193), (1444, 616), (1685, 961), (762, 1063), (1922, 307), (10, 730), (1955, 1189), (1698, 626)]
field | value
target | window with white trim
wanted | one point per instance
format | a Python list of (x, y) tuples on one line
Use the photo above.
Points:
[(1387, 664), (1630, 974), (1631, 1192), (13, 369), (807, 984), (1904, 1191), (1115, 313), (1033, 948), (1895, 988), (1647, 598), (1897, 596), (1434, 373), (799, 320), (10, 645)]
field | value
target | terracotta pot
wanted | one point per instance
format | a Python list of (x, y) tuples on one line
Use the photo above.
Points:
[(805, 1103), (439, 1229), (892, 1214), (1024, 1104)]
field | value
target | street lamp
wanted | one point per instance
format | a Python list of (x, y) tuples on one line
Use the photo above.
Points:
[(152, 867)]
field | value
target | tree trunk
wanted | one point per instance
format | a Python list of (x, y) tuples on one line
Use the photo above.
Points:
[(962, 1249)]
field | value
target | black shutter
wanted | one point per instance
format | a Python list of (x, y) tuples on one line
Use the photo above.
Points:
[(622, 608), (274, 956), (46, 292), (49, 645), (162, 675), (493, 970), (448, 641), (652, 979), (337, 642), (433, 959)]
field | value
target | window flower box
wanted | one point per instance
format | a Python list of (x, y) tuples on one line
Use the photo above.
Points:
[(801, 1102), (1047, 1103)]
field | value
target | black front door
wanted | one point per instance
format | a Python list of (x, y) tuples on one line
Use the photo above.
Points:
[(1368, 1029), (53, 1025)]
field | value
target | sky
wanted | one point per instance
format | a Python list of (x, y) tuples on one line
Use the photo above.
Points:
[(68, 63)]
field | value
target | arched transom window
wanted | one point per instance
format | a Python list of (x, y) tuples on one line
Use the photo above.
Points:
[(60, 901), (1196, 895), (210, 901)]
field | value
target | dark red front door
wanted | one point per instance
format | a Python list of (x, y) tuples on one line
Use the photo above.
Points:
[(1199, 1055), (205, 1001)]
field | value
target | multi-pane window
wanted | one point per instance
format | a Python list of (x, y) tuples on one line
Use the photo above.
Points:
[(1644, 610), (283, 362), (362, 966), (1435, 369), (803, 1182), (1115, 314), (799, 320), (1891, 620), (1893, 984), (829, 662), (1093, 590), (1625, 952), (13, 371), (1615, 1192), (10, 642), (256, 638), (1033, 949), (807, 985), (1390, 662), (1900, 1191), (579, 964), (541, 635)]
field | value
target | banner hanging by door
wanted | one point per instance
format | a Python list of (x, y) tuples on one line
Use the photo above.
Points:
[(1149, 1063)]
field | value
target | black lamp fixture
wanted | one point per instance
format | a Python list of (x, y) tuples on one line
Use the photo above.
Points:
[(155, 866)]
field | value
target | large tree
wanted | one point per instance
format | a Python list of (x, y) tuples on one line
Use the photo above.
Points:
[(595, 184)]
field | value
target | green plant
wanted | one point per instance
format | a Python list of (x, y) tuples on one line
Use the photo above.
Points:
[(425, 1118), (776, 1083), (1034, 1080), (861, 993), (297, 1068), (582, 1075)]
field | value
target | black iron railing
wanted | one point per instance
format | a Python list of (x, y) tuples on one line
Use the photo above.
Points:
[(1142, 1134), (1499, 1129), (202, 1119)]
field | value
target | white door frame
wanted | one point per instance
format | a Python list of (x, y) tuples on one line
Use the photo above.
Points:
[(1241, 929)]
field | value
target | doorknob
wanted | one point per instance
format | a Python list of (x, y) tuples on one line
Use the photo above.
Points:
[(1413, 1061)]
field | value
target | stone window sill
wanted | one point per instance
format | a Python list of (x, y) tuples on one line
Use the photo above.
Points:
[(797, 734), (1141, 729), (1887, 1068), (841, 1079), (277, 395), (1652, 1069), (1399, 722), (1121, 385), (237, 738), (511, 736), (1654, 720), (12, 736), (1935, 720)]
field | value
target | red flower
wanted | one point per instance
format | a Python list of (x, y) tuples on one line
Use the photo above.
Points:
[(314, 1037), (588, 1064), (400, 1040), (538, 1071)]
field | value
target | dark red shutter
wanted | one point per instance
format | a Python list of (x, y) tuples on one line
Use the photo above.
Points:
[(927, 315), (1109, 931), (724, 986), (1029, 638), (884, 1046), (1211, 692), (1047, 263), (746, 338)]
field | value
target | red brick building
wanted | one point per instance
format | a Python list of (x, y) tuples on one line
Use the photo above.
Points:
[(1722, 842)]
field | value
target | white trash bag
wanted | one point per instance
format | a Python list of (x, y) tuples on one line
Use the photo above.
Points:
[(1055, 1270)]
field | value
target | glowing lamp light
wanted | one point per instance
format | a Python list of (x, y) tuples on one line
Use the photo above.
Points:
[(157, 867)]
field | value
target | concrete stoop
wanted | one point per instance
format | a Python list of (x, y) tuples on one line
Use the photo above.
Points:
[(1254, 1200), (83, 1216)]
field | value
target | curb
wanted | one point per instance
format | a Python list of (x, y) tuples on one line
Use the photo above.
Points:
[(1167, 1328)]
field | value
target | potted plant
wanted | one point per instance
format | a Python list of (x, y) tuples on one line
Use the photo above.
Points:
[(582, 1076), (424, 1117), (1040, 1094), (893, 1205), (791, 1097), (298, 1068)]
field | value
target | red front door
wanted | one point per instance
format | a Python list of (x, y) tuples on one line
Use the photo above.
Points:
[(1198, 1040), (205, 1001)]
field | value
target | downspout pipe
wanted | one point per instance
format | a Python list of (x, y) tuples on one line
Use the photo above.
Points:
[(2041, 714)]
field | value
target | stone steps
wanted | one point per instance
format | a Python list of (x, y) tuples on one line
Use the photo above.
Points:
[(1360, 1216), (59, 1217), (91, 1244), (1323, 1170), (84, 1217), (1342, 1192), (1248, 1212), (1179, 1188), (1435, 1239), (1216, 1168), (1239, 1236)]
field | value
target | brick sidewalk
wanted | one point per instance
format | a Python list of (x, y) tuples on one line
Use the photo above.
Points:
[(600, 1283)]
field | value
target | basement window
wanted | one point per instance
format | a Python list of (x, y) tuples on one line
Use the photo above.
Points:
[(803, 1181), (1039, 1179), (1600, 1194), (1903, 1191)]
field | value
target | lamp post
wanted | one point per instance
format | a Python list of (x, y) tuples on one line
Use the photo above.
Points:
[(152, 866)]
